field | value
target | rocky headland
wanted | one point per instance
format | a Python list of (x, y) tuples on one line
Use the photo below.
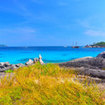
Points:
[(92, 66), (96, 45)]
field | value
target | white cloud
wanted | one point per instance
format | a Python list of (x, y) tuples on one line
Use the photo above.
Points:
[(95, 33), (92, 26)]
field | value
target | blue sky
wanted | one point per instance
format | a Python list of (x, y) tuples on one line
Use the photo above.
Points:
[(51, 22)]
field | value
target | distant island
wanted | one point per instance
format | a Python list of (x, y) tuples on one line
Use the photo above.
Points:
[(96, 45), (2, 45)]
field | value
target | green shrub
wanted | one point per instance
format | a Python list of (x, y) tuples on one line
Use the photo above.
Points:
[(9, 71)]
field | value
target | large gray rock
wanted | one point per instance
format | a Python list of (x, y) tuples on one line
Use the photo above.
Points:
[(101, 55), (30, 62), (87, 62), (88, 66), (91, 72), (96, 62), (103, 64), (82, 62)]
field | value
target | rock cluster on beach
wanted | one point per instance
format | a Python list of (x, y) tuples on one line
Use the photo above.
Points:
[(7, 66), (93, 66)]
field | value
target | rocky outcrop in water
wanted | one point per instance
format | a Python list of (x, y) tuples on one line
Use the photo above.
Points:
[(6, 65), (87, 62), (101, 55)]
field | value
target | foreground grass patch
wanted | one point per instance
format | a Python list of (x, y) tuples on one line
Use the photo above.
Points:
[(47, 85), (9, 71)]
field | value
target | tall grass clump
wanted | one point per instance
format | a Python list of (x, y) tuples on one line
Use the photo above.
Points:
[(47, 85)]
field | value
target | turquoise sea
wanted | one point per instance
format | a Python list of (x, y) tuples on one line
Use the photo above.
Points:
[(16, 55)]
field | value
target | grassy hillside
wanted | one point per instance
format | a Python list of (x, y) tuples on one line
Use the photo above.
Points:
[(47, 85)]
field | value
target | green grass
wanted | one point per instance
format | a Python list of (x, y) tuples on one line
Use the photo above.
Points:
[(47, 85), (9, 71)]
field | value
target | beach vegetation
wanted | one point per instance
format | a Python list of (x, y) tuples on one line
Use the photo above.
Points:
[(47, 85), (9, 71)]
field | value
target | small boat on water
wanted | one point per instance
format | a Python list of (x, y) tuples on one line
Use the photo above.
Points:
[(75, 46)]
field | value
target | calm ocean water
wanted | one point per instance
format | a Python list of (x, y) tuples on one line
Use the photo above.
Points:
[(16, 55)]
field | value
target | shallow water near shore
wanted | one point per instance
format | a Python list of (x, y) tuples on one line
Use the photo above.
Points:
[(16, 55)]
